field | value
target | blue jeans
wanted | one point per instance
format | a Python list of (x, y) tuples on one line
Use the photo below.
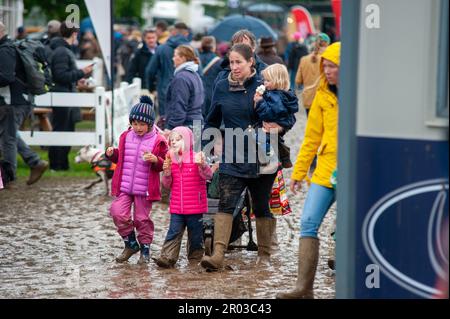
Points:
[(318, 202), (194, 224)]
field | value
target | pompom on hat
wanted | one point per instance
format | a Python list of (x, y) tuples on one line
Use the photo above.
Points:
[(143, 111)]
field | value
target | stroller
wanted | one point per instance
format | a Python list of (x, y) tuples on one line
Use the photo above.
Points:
[(241, 220)]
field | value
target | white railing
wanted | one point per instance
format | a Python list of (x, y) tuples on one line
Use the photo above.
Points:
[(96, 100), (124, 98)]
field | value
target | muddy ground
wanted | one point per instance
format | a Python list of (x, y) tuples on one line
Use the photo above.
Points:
[(58, 241)]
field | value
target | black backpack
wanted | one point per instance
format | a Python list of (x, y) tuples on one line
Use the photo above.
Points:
[(37, 70)]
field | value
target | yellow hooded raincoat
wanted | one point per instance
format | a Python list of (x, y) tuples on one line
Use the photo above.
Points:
[(321, 130)]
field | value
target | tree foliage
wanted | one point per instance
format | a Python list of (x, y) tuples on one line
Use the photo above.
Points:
[(56, 9)]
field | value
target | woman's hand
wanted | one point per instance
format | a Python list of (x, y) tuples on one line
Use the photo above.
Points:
[(149, 157), (267, 126), (109, 151), (295, 186)]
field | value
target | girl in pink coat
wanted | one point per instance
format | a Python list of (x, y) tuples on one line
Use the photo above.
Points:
[(139, 159), (185, 173)]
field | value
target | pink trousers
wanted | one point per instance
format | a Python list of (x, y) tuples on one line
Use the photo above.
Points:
[(121, 213)]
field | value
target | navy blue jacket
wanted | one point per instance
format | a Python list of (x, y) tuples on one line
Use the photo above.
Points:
[(279, 107), (161, 67), (209, 78), (237, 111), (185, 97)]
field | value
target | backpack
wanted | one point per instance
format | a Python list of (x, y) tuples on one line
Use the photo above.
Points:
[(37, 69)]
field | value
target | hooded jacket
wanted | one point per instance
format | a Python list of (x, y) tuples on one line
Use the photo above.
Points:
[(321, 129), (278, 106), (185, 96), (187, 180)]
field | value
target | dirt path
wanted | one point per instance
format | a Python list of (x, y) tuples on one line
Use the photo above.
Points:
[(58, 241)]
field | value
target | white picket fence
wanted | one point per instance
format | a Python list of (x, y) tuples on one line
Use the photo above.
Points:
[(92, 100), (124, 97)]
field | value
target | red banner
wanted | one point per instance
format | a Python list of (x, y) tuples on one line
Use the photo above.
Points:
[(303, 21), (337, 7)]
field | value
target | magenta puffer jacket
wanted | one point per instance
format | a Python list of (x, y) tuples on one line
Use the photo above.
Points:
[(151, 187), (187, 180)]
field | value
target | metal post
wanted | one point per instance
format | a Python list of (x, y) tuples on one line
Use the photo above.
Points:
[(100, 117), (346, 234)]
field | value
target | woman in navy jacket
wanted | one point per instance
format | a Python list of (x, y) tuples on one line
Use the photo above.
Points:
[(232, 102), (185, 94)]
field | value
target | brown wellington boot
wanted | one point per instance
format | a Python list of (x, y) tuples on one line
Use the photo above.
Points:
[(37, 171), (196, 256), (274, 241), (170, 252), (126, 254), (264, 227), (308, 257), (222, 232)]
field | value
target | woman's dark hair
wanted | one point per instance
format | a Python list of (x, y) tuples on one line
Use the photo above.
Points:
[(244, 50), (208, 44), (67, 32)]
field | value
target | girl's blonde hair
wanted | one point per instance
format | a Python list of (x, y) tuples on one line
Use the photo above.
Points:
[(277, 74)]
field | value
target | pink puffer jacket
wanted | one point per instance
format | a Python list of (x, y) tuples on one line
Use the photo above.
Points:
[(187, 180)]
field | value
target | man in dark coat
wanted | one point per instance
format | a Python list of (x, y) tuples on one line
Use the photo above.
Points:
[(142, 57), (161, 65), (14, 108), (65, 76)]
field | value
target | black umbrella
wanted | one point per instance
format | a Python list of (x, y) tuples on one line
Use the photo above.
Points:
[(224, 30)]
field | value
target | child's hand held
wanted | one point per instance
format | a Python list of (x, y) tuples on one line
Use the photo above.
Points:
[(149, 157), (200, 159)]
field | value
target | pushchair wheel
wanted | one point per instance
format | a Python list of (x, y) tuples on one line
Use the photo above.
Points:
[(208, 246)]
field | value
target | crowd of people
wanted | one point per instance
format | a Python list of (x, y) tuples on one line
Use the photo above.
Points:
[(192, 82)]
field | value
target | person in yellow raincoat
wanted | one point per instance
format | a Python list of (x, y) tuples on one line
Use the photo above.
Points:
[(321, 139)]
